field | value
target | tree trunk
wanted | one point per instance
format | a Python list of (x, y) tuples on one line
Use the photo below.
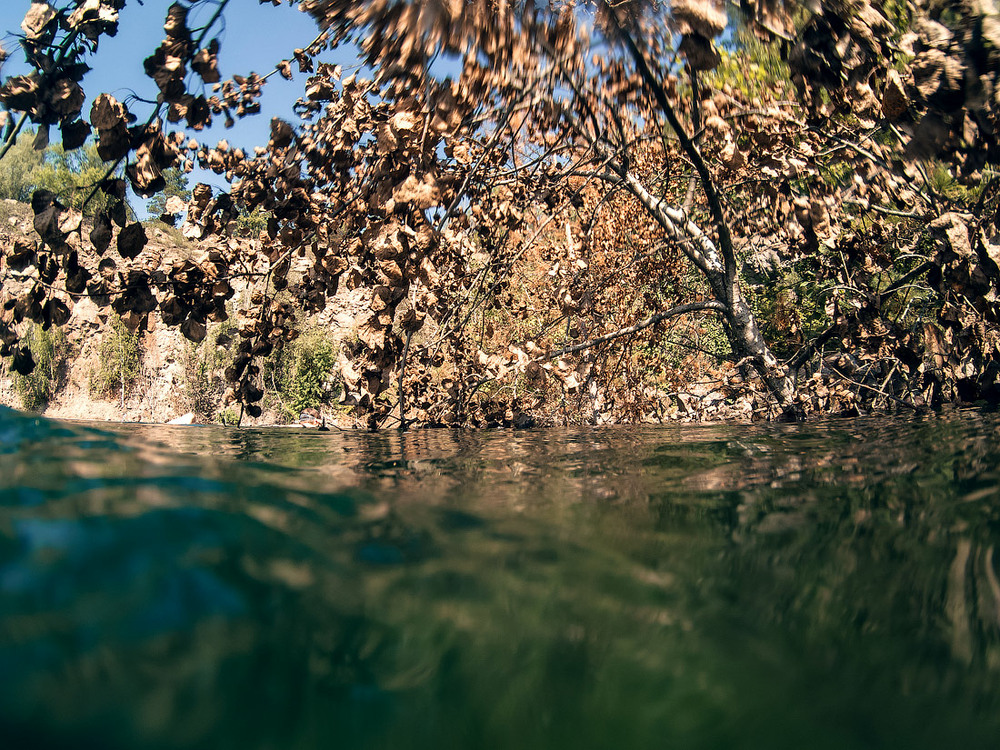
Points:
[(748, 344)]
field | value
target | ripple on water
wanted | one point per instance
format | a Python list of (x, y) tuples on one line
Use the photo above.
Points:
[(832, 585)]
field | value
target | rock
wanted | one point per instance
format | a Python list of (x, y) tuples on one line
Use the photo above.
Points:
[(183, 419), (894, 99), (763, 267)]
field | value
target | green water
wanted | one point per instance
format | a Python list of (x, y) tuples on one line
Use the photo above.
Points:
[(833, 585)]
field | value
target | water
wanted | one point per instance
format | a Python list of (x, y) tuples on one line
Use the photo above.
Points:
[(833, 585)]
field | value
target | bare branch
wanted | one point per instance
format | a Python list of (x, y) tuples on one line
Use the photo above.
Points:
[(652, 320)]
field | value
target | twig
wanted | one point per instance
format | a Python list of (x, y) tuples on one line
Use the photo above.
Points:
[(899, 401), (905, 279), (884, 210)]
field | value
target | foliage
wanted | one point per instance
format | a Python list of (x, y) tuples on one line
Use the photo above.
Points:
[(120, 360), (227, 416), (570, 177), (69, 175), (49, 349), (18, 169), (205, 364), (175, 186), (251, 224), (302, 373), (72, 176)]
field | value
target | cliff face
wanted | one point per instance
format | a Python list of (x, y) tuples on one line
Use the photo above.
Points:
[(172, 376), (159, 393)]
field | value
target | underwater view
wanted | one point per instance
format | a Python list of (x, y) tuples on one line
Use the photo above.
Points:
[(828, 585)]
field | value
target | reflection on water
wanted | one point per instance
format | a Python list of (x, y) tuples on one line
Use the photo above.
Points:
[(827, 586)]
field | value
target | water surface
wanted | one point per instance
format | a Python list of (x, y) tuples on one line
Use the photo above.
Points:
[(833, 585)]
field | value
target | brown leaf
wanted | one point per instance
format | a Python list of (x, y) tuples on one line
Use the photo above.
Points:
[(20, 93), (100, 235), (41, 141), (107, 268), (146, 173), (420, 193), (304, 60), (37, 19), (412, 320), (250, 393), (65, 97), (281, 133), (703, 17), (76, 275), (22, 256), (194, 330), (117, 212), (47, 212), (113, 143), (107, 113), (175, 23), (700, 52), (56, 312), (131, 240), (94, 18), (894, 99), (74, 134), (23, 363), (206, 63)]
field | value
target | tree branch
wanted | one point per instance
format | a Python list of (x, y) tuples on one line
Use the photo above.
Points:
[(652, 320), (689, 147), (905, 279)]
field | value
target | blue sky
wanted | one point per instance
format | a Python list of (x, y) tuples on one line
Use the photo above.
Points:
[(254, 38)]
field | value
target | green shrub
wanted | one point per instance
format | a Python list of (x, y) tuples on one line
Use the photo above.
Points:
[(251, 224), (49, 349), (120, 360), (301, 373), (228, 417), (204, 366), (71, 175)]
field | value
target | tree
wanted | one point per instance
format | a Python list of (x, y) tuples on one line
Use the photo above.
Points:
[(577, 140), (175, 186), (70, 175), (73, 177), (17, 170)]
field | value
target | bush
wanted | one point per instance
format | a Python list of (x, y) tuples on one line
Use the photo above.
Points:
[(204, 367), (301, 373), (120, 361), (228, 417), (49, 349), (251, 224)]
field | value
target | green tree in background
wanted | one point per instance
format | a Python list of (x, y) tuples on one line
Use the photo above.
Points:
[(71, 175), (18, 170), (177, 185), (49, 348)]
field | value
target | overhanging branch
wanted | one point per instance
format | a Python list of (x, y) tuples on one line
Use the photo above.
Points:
[(690, 148)]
